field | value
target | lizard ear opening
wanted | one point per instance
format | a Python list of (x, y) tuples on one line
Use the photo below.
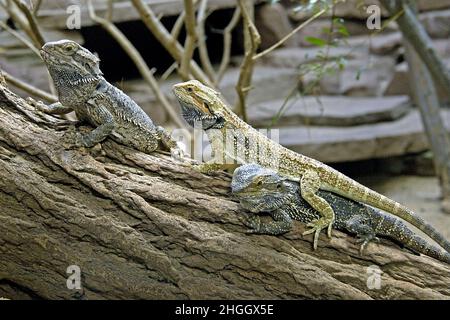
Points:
[(206, 105)]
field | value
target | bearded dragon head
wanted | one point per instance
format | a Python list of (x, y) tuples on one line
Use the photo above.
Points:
[(70, 63), (200, 104), (259, 189)]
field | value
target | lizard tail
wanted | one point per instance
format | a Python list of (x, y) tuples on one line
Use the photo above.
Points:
[(351, 189), (395, 229), (393, 207)]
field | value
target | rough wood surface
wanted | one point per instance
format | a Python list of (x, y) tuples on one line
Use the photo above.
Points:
[(142, 226)]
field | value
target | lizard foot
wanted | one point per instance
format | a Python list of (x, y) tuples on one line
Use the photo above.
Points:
[(72, 139), (317, 226), (254, 223), (364, 241), (38, 104)]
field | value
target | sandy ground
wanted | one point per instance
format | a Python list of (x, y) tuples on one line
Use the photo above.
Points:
[(421, 194)]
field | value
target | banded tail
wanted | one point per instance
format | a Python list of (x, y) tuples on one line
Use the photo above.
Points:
[(351, 189), (395, 229)]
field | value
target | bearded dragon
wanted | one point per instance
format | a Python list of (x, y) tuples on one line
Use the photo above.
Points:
[(82, 88), (262, 190), (232, 138)]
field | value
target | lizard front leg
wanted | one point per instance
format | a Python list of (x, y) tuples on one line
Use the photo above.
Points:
[(309, 185), (54, 108), (102, 116), (282, 223), (363, 229)]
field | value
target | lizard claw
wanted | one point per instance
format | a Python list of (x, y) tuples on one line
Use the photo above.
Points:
[(317, 226), (364, 241)]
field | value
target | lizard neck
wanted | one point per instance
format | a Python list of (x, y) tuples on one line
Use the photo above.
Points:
[(73, 87)]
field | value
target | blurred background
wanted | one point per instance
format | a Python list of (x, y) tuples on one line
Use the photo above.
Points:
[(335, 77)]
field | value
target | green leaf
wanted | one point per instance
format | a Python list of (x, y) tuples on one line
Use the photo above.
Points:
[(343, 30), (316, 41)]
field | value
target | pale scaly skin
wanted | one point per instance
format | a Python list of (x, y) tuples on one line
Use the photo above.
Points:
[(81, 88), (262, 190), (202, 104)]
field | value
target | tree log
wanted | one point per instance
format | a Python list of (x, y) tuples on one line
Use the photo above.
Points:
[(146, 227)]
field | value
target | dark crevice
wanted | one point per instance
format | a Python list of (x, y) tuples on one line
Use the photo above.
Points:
[(21, 289)]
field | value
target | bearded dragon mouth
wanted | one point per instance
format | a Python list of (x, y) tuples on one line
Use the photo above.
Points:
[(194, 116), (84, 80), (44, 54)]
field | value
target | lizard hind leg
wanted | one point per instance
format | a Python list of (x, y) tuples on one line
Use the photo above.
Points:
[(309, 185), (363, 229)]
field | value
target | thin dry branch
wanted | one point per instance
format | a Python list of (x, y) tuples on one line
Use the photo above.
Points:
[(166, 40), (168, 72), (201, 39), (18, 19), (227, 44), (252, 40), (415, 33), (36, 7), (176, 29), (290, 34), (22, 39), (36, 92), (136, 57), (191, 39), (32, 23), (30, 26)]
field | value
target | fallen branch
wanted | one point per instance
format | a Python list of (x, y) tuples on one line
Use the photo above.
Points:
[(145, 227)]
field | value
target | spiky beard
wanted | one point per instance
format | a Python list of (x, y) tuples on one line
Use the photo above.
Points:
[(193, 116)]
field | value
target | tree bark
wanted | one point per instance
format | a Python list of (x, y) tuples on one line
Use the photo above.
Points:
[(145, 227)]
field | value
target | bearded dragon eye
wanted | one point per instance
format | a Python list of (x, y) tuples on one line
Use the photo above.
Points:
[(68, 48), (189, 89)]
